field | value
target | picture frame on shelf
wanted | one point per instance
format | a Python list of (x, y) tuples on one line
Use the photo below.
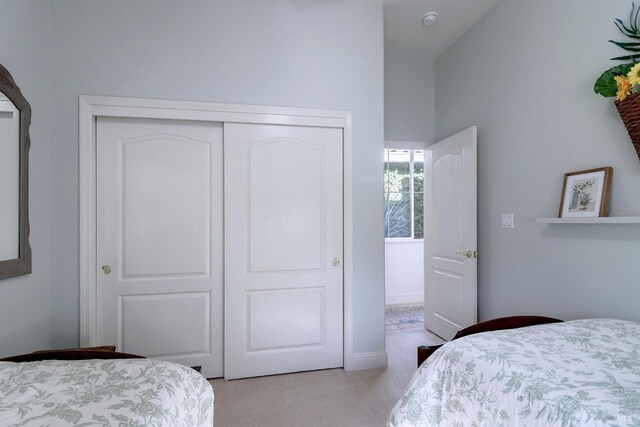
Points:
[(586, 193)]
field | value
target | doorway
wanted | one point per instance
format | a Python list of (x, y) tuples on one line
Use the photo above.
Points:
[(404, 234), (431, 233)]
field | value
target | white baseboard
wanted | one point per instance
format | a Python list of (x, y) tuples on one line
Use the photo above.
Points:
[(374, 360), (404, 298)]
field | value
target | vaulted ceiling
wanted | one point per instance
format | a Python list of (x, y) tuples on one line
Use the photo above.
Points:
[(405, 34)]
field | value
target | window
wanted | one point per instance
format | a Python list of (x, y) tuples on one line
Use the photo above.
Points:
[(403, 194)]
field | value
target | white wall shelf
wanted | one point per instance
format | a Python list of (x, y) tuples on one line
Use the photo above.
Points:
[(596, 220)]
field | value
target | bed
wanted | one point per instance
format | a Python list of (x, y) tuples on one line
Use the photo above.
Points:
[(581, 372), (118, 390)]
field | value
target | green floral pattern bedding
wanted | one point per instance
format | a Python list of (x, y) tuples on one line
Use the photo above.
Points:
[(578, 373), (123, 392)]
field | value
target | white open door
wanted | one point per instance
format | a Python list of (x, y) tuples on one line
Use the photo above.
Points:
[(283, 249), (451, 265), (159, 239)]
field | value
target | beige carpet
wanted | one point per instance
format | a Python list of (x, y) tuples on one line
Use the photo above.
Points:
[(322, 398)]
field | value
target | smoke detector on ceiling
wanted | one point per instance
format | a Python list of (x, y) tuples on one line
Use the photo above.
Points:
[(429, 18)]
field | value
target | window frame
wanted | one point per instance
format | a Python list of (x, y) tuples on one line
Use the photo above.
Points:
[(412, 147)]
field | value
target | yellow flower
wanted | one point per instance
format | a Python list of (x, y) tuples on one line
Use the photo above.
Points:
[(624, 87), (634, 75)]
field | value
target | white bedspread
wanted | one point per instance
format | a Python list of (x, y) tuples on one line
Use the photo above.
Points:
[(583, 372), (120, 392)]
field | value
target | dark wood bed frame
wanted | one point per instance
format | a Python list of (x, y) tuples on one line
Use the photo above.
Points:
[(512, 322), (70, 354)]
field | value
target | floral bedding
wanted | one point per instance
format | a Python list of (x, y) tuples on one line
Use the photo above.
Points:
[(582, 372), (118, 392)]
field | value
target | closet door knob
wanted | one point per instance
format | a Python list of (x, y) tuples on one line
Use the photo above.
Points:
[(106, 269), (335, 262)]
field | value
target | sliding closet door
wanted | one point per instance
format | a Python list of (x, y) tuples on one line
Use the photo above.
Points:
[(159, 239), (283, 249)]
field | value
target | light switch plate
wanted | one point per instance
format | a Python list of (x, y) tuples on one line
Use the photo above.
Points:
[(508, 221)]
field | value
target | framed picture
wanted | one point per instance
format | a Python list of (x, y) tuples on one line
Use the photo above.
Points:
[(586, 193)]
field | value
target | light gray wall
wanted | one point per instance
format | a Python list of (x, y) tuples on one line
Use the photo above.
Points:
[(404, 272), (409, 115), (524, 74), (24, 301), (409, 98), (298, 53)]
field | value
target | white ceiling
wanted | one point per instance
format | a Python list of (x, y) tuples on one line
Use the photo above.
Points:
[(405, 34)]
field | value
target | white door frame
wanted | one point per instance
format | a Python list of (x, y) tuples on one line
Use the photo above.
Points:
[(105, 106)]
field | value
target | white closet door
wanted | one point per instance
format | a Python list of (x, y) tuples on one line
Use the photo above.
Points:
[(159, 239), (283, 249)]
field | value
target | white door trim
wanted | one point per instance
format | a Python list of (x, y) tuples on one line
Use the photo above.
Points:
[(91, 107)]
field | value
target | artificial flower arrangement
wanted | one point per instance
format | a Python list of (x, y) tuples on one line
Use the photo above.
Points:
[(623, 81)]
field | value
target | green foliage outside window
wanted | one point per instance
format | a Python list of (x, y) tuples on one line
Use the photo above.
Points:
[(404, 200)]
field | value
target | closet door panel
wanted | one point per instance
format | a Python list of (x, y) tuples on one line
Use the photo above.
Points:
[(159, 239), (283, 249)]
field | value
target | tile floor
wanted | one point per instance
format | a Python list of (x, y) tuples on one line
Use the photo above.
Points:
[(404, 316)]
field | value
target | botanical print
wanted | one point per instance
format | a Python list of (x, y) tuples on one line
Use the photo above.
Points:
[(583, 195), (123, 392), (578, 373), (586, 193)]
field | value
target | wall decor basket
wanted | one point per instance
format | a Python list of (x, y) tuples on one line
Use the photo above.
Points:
[(629, 110)]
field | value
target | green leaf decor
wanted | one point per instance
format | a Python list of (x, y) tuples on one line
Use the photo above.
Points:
[(606, 84), (621, 80)]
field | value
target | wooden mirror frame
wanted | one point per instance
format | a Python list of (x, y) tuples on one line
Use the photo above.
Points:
[(21, 265)]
